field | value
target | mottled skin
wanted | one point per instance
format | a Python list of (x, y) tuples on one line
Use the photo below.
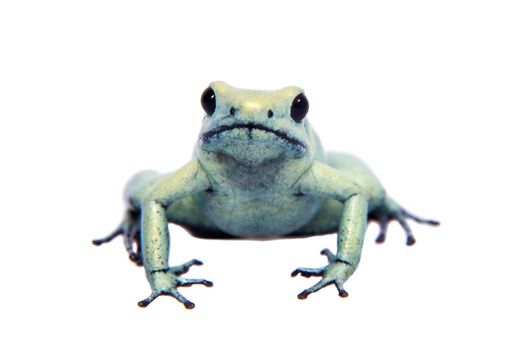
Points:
[(256, 173)]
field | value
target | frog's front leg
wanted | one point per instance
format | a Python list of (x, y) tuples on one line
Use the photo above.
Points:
[(322, 180), (165, 280)]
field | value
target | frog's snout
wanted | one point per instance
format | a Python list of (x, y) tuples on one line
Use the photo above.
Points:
[(251, 112), (234, 110)]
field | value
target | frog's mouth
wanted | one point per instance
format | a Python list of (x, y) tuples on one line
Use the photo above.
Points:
[(206, 137)]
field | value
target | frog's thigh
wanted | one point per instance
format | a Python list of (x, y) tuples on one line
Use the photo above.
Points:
[(186, 213), (139, 185), (326, 221), (359, 172), (329, 216)]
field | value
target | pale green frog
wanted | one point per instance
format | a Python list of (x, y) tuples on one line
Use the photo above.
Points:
[(258, 172)]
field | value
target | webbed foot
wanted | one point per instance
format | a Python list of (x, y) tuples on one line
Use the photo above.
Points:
[(167, 281), (130, 230), (336, 272)]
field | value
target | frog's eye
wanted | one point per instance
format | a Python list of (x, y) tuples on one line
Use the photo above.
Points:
[(208, 101), (299, 108)]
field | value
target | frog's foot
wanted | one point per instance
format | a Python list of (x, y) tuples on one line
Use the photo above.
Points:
[(394, 212), (336, 272), (167, 281), (130, 231)]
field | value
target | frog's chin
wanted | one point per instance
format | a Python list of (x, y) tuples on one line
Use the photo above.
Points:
[(251, 153), (252, 144)]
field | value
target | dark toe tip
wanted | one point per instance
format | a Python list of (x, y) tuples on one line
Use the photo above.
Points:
[(380, 239), (189, 305), (136, 259), (411, 241), (143, 303), (295, 273), (96, 242), (197, 262), (302, 295), (343, 294), (434, 222), (208, 283)]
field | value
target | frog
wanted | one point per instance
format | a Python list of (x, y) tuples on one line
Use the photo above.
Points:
[(258, 172)]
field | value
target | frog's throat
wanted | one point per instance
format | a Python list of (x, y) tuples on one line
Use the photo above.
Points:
[(250, 126)]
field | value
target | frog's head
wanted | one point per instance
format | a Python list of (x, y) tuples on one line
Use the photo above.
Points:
[(254, 127)]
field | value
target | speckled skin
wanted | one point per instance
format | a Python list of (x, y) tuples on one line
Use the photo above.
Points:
[(256, 175)]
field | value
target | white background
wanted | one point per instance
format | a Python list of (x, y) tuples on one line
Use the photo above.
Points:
[(429, 93)]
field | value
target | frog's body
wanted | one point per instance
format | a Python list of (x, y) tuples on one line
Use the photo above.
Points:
[(242, 209), (258, 172)]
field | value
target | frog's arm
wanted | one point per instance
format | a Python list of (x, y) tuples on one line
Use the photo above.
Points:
[(324, 181), (164, 280)]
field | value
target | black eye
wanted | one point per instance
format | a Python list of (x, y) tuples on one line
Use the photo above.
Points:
[(299, 108), (208, 101)]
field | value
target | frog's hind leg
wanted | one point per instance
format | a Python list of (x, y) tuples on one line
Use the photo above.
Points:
[(129, 229), (392, 211)]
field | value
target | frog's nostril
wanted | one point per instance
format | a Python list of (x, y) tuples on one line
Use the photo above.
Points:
[(232, 111), (270, 113)]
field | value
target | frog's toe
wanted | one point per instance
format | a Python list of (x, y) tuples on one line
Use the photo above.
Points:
[(148, 300), (326, 281), (316, 287), (183, 268), (136, 258), (131, 239), (307, 272), (129, 229), (186, 282), (132, 242), (419, 219), (342, 292), (400, 218), (173, 292), (386, 215), (383, 225), (109, 237), (171, 288), (336, 273), (329, 255), (180, 298)]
